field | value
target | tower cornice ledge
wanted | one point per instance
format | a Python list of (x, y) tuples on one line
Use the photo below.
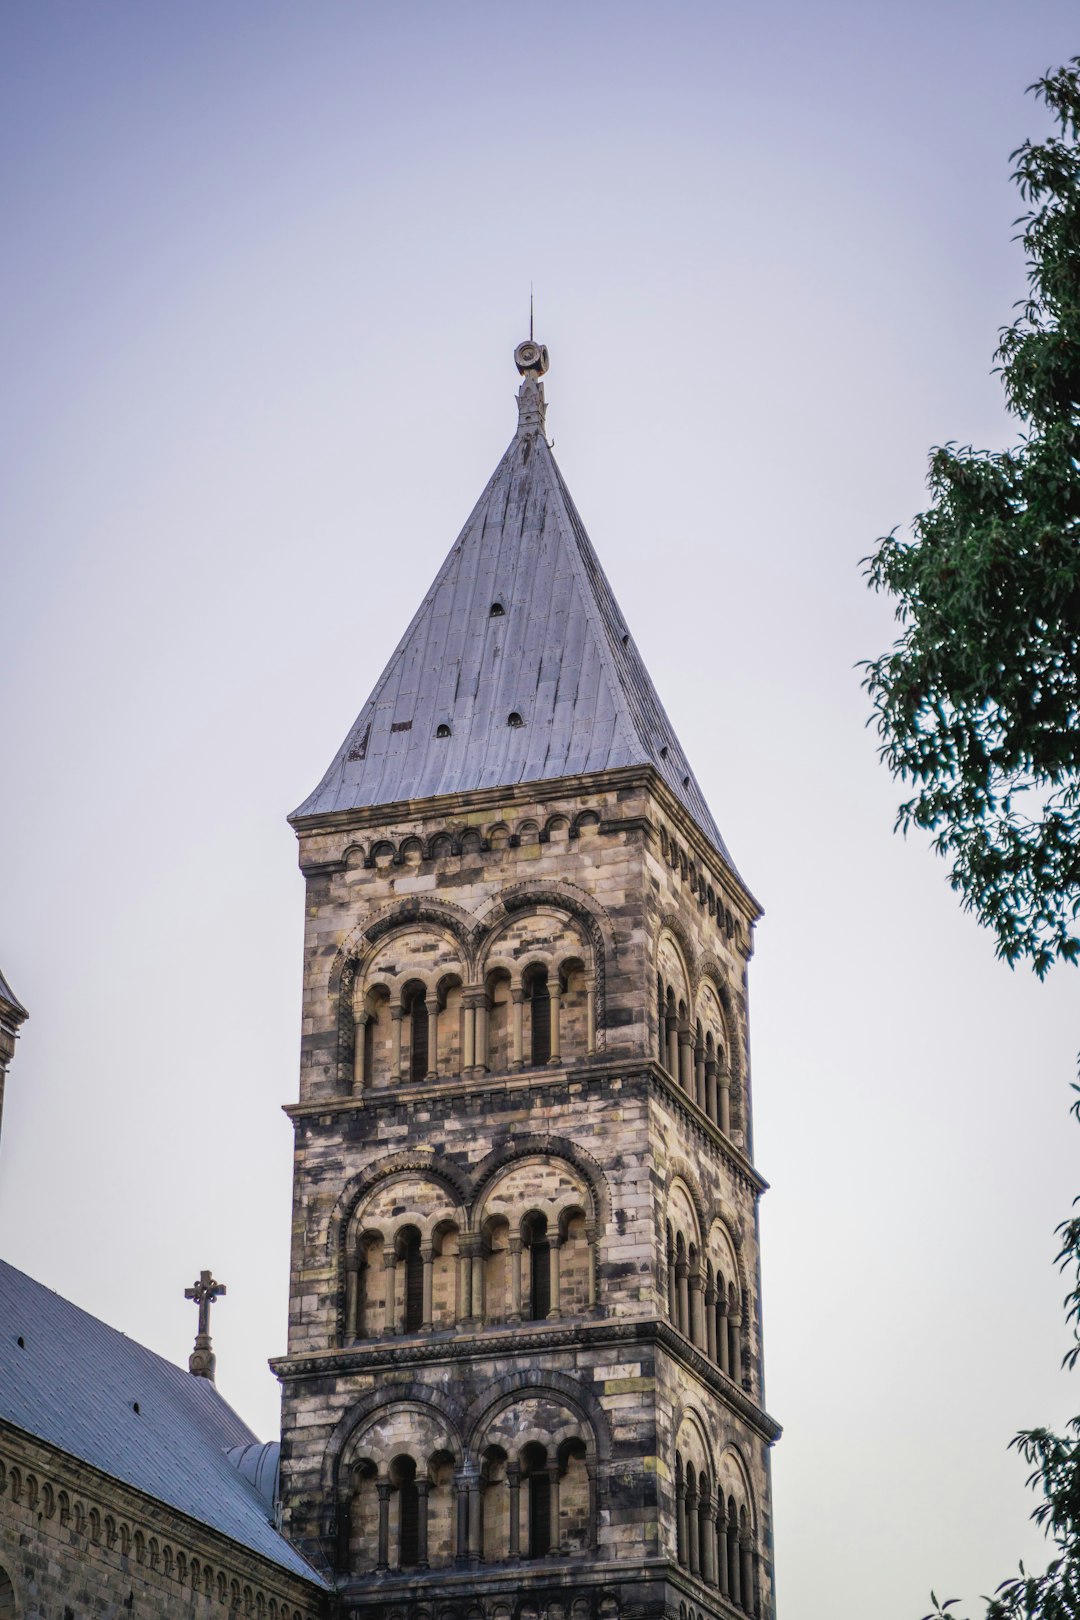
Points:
[(590, 785), (599, 1072), (523, 1340)]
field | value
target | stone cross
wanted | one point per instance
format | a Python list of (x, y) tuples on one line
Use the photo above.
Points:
[(202, 1360)]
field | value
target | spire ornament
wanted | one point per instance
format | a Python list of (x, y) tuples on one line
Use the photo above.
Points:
[(531, 359), (202, 1361)]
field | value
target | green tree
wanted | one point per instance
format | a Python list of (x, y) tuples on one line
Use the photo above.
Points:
[(978, 702)]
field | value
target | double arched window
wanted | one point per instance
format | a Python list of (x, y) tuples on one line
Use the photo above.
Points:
[(693, 1050), (714, 1532), (415, 1261), (527, 1492), (704, 1297)]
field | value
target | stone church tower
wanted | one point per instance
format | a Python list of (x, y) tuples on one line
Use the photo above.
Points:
[(524, 1368)]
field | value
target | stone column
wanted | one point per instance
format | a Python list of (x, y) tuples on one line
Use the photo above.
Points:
[(423, 1486), (735, 1335), (680, 1521), (697, 1325), (433, 1039), (710, 1089), (554, 1245), (685, 1074), (461, 1491), (681, 1273), (723, 1580), (553, 1492), (515, 1279), (746, 1569), (734, 1569), (556, 1020), (724, 1083), (699, 1077), (590, 1018), (383, 1488), (672, 1046), (708, 1536), (482, 1034), (427, 1255), (359, 1072), (352, 1301), (723, 1338), (692, 1532), (395, 1043), (517, 998), (478, 1283), (468, 1055), (673, 1301), (710, 1322), (389, 1261), (590, 1239), (474, 1515), (590, 1470), (464, 1288), (513, 1481)]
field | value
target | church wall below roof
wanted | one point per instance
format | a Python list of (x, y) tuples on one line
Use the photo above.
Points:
[(75, 1542)]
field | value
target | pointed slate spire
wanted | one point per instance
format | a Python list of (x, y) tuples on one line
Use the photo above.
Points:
[(518, 666)]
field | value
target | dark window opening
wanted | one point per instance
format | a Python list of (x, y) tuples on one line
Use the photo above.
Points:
[(418, 1047), (496, 611), (442, 731), (539, 1515), (414, 1286), (514, 719), (540, 1291), (409, 1555), (540, 1019)]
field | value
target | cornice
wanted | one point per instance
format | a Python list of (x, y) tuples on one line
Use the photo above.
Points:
[(425, 1092), (528, 1340), (593, 1074), (463, 804)]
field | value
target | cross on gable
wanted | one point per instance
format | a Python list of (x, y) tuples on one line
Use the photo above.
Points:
[(205, 1291)]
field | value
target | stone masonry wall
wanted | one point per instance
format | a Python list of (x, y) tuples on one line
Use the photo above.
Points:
[(76, 1544), (427, 925)]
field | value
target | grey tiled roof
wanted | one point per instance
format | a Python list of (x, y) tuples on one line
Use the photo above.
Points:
[(560, 655), (74, 1383)]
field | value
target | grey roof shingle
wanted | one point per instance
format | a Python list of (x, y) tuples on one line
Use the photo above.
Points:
[(560, 655), (73, 1382)]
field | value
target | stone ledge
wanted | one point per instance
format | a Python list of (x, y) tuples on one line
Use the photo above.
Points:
[(527, 1340)]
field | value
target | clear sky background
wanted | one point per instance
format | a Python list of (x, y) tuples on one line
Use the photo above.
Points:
[(264, 269)]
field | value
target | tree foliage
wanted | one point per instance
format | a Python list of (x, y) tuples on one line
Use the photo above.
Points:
[(1054, 1461), (978, 702)]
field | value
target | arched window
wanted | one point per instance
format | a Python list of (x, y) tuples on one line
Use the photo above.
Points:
[(7, 1596), (534, 1463), (418, 1036), (540, 1016), (414, 1283), (539, 1247)]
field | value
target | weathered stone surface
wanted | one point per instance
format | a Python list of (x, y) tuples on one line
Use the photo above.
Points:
[(440, 1156), (75, 1543)]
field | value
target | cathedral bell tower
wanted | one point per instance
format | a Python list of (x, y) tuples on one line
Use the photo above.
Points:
[(524, 1368)]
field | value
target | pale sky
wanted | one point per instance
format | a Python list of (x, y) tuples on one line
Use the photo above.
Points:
[(264, 269)]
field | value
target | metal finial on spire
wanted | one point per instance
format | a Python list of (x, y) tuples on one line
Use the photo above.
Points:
[(202, 1360), (531, 358)]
